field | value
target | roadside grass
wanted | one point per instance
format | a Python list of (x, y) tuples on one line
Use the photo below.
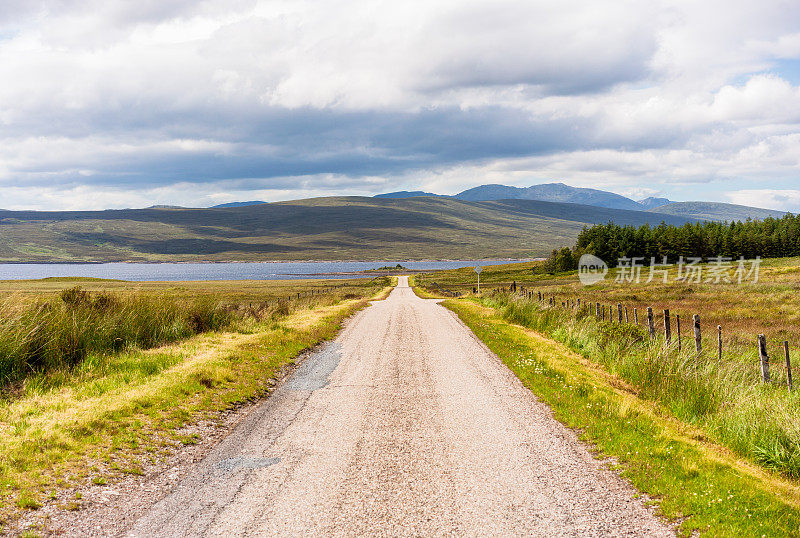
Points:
[(770, 307), (724, 398), (698, 484), (113, 413), (61, 332)]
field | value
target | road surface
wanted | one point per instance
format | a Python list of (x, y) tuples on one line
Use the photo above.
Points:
[(404, 425)]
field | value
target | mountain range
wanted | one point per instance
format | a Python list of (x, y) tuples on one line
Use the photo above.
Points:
[(559, 192), (491, 221)]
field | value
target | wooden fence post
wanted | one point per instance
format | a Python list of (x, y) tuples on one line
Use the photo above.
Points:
[(650, 325), (667, 328), (611, 313), (540, 296), (626, 315), (636, 315), (698, 342), (763, 357), (678, 329), (597, 310), (788, 366), (719, 342), (619, 312), (604, 313)]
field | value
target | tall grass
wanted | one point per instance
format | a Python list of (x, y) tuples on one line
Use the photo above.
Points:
[(724, 398), (61, 332)]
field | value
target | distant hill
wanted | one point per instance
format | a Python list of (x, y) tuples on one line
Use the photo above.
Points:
[(561, 193), (405, 194), (650, 203), (341, 228), (716, 211), (551, 192), (239, 204)]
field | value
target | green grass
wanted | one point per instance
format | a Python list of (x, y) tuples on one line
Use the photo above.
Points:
[(113, 414), (696, 483), (724, 398), (341, 228)]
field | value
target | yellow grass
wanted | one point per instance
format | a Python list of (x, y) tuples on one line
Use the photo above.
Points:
[(117, 411)]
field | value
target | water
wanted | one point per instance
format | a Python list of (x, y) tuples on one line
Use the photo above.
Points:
[(218, 271)]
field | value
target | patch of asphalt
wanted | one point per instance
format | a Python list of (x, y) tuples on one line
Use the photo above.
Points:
[(108, 510), (313, 373), (240, 462)]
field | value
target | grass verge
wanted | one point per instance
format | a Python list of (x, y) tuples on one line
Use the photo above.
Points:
[(115, 412), (701, 486)]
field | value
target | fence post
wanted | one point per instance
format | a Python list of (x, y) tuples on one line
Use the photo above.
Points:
[(626, 315), (540, 296), (698, 342), (636, 315), (667, 328), (619, 312), (611, 313), (788, 365), (650, 325), (763, 357), (719, 342), (597, 311), (678, 329)]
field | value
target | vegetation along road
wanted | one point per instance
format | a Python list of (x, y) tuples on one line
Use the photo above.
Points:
[(403, 425)]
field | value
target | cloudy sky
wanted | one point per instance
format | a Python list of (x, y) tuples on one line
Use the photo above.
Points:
[(107, 104)]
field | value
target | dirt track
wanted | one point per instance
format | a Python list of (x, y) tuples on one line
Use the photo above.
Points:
[(404, 425)]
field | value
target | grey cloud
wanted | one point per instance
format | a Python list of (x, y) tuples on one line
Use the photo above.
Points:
[(511, 42), (278, 142)]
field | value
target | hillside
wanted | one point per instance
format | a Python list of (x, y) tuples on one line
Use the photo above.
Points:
[(551, 192), (715, 211), (240, 204), (314, 229), (651, 202), (405, 194)]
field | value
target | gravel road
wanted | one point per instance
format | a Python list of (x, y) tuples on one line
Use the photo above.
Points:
[(404, 425)]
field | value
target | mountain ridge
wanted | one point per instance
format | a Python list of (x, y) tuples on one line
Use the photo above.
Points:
[(334, 228)]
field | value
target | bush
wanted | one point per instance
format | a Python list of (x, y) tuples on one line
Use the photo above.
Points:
[(561, 261)]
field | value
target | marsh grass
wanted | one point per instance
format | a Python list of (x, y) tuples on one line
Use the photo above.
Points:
[(724, 398), (61, 332)]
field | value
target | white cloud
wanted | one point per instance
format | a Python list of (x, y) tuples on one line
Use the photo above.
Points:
[(782, 199)]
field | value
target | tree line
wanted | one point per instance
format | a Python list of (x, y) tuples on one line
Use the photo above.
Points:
[(767, 238)]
